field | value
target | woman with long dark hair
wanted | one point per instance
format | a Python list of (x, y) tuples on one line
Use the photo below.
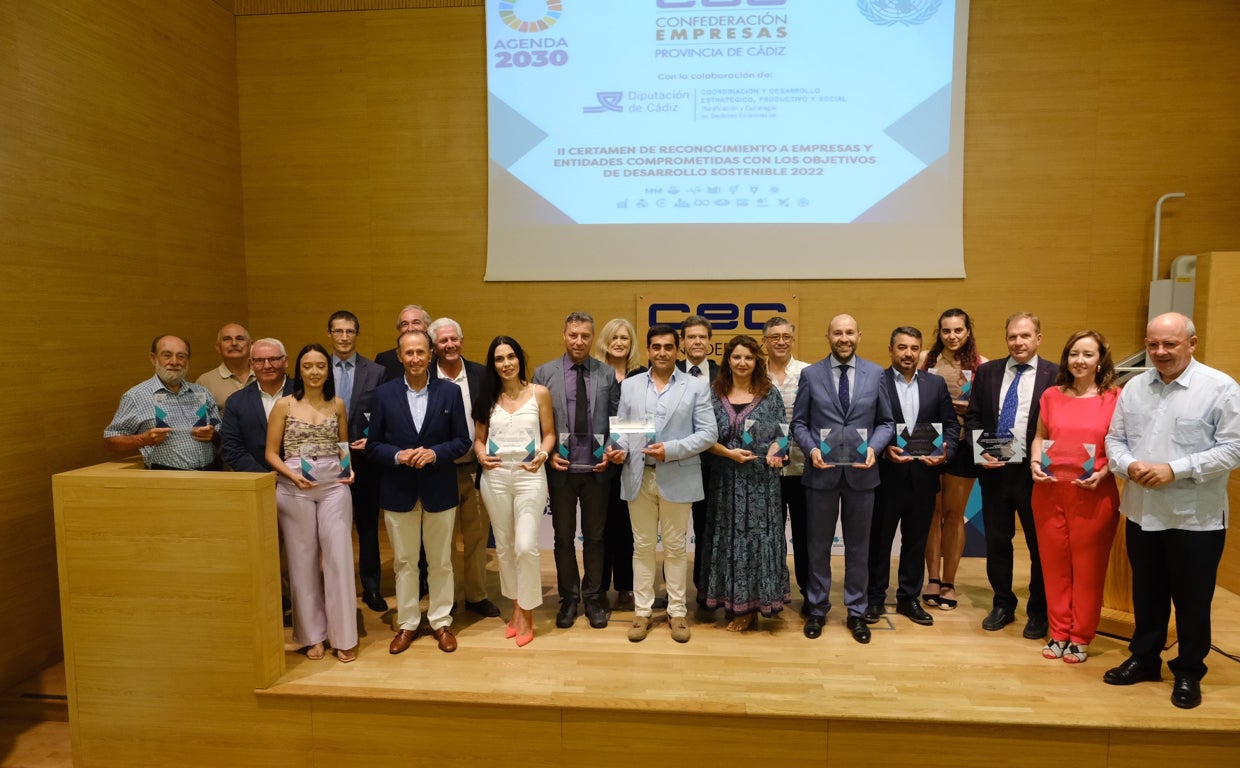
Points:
[(305, 434), (954, 356), (514, 435), (1075, 499), (745, 555)]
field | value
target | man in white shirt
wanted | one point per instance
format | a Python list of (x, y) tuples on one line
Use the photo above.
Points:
[(1175, 436), (779, 336)]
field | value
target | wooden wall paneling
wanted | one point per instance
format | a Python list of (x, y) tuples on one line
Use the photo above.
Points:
[(120, 204)]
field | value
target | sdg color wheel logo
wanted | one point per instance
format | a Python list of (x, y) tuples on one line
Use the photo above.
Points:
[(530, 15)]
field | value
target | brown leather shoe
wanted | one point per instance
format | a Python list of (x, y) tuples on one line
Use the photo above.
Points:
[(447, 643), (401, 642)]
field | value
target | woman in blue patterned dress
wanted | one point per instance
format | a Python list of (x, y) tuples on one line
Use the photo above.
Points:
[(745, 555)]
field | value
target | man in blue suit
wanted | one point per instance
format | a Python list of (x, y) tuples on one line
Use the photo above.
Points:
[(417, 431), (842, 394), (662, 479), (243, 431), (908, 484)]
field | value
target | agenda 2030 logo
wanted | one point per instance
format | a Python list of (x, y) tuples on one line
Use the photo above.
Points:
[(530, 15)]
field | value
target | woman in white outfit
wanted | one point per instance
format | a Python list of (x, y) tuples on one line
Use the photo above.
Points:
[(514, 436)]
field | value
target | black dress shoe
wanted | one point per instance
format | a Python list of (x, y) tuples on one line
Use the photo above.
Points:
[(483, 607), (1035, 629), (567, 615), (860, 632), (997, 619), (813, 626), (1186, 693), (915, 613), (874, 613), (1132, 671), (596, 614), (374, 601)]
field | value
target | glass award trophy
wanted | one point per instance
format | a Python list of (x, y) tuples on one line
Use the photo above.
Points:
[(861, 446), (600, 445), (1064, 460), (999, 446), (829, 446), (161, 410), (366, 422), (747, 438), (181, 412), (561, 447), (324, 461), (346, 461), (201, 411), (782, 441), (513, 445), (921, 439), (966, 384), (643, 427)]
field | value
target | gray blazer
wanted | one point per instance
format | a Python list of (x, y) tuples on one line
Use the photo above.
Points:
[(604, 398), (690, 429), (817, 405)]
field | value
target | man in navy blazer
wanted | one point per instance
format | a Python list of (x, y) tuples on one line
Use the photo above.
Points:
[(243, 431), (472, 523), (1007, 489), (417, 431), (582, 478), (908, 485), (356, 379), (842, 393)]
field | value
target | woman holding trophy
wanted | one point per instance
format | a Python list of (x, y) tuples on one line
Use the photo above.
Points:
[(307, 446), (1075, 501), (514, 434)]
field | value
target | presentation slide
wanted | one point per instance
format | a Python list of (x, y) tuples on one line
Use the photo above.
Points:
[(728, 139)]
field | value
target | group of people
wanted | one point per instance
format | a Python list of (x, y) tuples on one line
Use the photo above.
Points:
[(631, 454)]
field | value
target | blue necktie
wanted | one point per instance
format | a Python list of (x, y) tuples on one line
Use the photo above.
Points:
[(1007, 414), (845, 400), (344, 383)]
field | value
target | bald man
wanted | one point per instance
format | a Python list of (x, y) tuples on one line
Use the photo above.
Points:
[(234, 371), (844, 394), (1175, 437)]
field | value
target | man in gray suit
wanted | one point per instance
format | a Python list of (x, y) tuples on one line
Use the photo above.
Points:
[(662, 479), (356, 379), (843, 394), (584, 394)]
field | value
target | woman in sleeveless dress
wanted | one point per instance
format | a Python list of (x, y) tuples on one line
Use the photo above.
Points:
[(1075, 499), (514, 434), (954, 356), (305, 432)]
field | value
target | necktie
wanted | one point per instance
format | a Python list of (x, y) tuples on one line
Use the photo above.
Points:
[(581, 418), (1007, 413), (344, 383), (845, 400), (695, 371)]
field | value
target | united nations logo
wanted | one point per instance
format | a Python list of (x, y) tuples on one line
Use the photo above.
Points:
[(907, 12), (530, 15)]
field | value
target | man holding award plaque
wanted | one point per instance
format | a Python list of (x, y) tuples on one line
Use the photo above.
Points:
[(1001, 421), (661, 479), (842, 420), (170, 421), (584, 394), (926, 434)]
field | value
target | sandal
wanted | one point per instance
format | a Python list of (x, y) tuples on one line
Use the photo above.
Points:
[(742, 623), (931, 598), (346, 654), (1055, 649), (1076, 654), (946, 603), (315, 652)]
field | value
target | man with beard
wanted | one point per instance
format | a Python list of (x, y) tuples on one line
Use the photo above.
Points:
[(842, 420), (170, 421)]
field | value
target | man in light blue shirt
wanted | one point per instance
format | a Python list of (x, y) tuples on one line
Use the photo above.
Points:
[(1175, 437)]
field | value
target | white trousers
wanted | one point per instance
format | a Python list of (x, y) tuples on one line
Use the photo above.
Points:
[(515, 500), (317, 525), (408, 532), (650, 513)]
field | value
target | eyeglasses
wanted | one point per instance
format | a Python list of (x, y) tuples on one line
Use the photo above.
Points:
[(343, 332), (781, 338), (261, 361)]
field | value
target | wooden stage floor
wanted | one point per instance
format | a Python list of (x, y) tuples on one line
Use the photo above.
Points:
[(944, 676)]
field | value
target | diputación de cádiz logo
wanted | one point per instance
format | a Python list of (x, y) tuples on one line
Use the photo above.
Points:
[(530, 15), (906, 12)]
